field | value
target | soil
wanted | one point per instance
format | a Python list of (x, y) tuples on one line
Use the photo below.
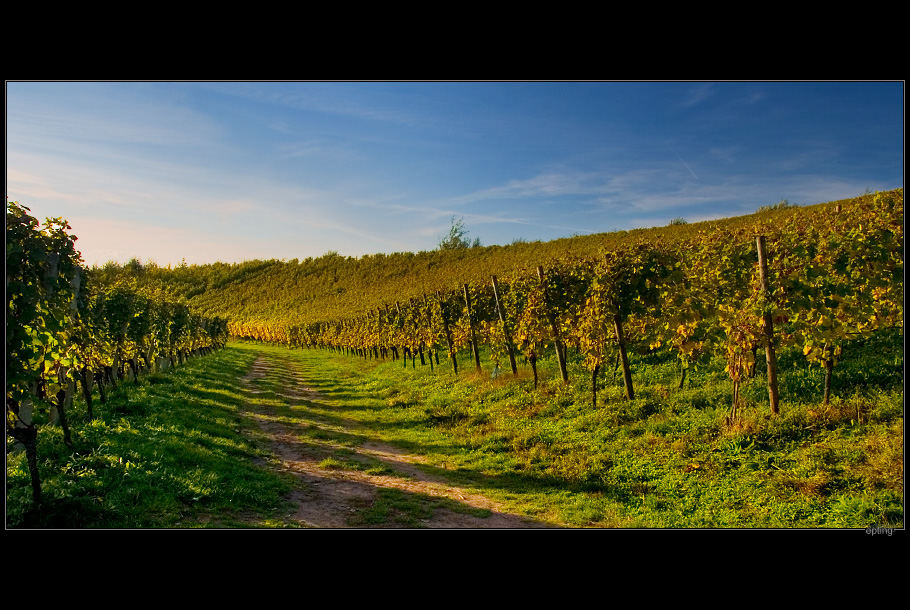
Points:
[(332, 497)]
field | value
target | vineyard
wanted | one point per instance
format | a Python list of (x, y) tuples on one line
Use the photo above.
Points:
[(62, 330), (813, 279), (752, 295)]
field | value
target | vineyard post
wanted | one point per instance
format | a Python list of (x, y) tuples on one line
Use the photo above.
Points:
[(594, 385), (381, 348), (768, 325), (60, 402), (404, 350), (392, 346), (560, 351), (829, 366), (623, 357), (99, 381), (430, 347), (467, 300), (24, 431), (505, 327), (445, 328), (85, 380)]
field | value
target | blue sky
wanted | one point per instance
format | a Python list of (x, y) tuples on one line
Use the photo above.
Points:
[(234, 171)]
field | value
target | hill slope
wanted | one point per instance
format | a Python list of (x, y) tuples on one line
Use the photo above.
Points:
[(334, 287)]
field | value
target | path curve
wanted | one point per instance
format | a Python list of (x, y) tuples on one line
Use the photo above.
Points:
[(331, 497)]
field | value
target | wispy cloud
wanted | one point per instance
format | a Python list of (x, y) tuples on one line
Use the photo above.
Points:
[(727, 154), (546, 184), (335, 99), (698, 94), (687, 166), (755, 96), (320, 149), (139, 122), (360, 168), (805, 154)]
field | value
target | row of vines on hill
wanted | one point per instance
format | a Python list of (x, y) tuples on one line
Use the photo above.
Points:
[(62, 329), (828, 278)]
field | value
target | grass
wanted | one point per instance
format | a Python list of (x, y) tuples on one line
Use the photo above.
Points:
[(393, 508), (668, 459), (166, 453), (176, 451)]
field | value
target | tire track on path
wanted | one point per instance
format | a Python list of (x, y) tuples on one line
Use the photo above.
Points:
[(328, 497)]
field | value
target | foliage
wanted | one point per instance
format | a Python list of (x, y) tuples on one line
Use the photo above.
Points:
[(63, 325), (457, 237), (783, 204), (169, 453)]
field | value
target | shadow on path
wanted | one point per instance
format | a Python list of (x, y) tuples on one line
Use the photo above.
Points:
[(373, 484)]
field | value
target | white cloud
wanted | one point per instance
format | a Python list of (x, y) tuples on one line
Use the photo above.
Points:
[(320, 149), (319, 97), (727, 154), (96, 120), (698, 94)]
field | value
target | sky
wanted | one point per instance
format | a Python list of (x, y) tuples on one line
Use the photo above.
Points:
[(233, 171)]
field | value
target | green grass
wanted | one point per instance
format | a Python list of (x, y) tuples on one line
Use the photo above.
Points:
[(167, 453), (176, 451), (393, 508), (668, 459)]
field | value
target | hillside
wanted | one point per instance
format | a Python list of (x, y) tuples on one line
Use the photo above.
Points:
[(641, 398), (333, 287)]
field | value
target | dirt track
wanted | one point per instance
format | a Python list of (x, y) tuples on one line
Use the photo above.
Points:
[(332, 497)]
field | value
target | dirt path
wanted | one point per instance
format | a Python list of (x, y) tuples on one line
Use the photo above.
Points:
[(332, 497)]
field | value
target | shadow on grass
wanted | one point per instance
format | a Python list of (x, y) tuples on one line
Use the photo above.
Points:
[(158, 454), (342, 446)]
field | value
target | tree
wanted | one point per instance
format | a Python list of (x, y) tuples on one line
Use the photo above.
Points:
[(457, 237)]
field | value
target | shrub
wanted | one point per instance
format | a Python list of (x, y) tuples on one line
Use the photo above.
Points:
[(783, 204)]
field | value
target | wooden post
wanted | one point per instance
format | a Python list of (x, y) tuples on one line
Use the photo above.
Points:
[(378, 348), (768, 326), (467, 300), (594, 386), (426, 304), (505, 327), (99, 381), (445, 328), (404, 349), (392, 347), (623, 356), (25, 435), (85, 379), (63, 400), (560, 352)]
